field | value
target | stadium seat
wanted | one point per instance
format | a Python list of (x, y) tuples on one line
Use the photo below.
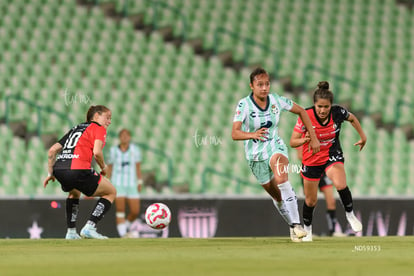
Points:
[(137, 74)]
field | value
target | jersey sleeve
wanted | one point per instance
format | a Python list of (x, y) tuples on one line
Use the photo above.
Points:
[(240, 115), (340, 112), (62, 140), (100, 134), (285, 103), (299, 127)]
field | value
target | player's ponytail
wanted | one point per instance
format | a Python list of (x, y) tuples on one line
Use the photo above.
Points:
[(323, 85), (323, 92), (93, 109)]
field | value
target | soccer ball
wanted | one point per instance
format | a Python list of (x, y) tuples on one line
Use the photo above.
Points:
[(158, 215)]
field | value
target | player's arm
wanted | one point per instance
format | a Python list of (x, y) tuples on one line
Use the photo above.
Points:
[(238, 134), (99, 157), (51, 159), (109, 170), (314, 142), (140, 181), (355, 123), (296, 140)]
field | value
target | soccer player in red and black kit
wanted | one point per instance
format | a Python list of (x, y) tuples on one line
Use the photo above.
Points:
[(70, 161), (326, 121)]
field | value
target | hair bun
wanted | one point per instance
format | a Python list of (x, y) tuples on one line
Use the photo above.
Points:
[(323, 85)]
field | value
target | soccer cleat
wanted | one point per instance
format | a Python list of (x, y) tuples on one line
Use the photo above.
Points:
[(299, 231), (131, 235), (293, 236), (339, 234), (72, 235), (356, 225), (89, 232), (308, 237)]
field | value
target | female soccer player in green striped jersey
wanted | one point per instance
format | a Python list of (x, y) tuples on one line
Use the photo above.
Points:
[(256, 122)]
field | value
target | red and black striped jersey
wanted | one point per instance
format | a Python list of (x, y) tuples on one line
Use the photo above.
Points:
[(328, 135), (78, 145)]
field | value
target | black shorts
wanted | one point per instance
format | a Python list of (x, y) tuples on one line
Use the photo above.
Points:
[(314, 173), (324, 182), (85, 181)]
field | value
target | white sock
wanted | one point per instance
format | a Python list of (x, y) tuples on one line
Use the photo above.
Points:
[(290, 202), (122, 229), (128, 225), (349, 213), (281, 208)]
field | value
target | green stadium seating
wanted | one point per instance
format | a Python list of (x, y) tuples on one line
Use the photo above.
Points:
[(41, 57)]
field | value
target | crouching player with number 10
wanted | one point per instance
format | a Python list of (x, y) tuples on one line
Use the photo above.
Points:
[(256, 122), (69, 161)]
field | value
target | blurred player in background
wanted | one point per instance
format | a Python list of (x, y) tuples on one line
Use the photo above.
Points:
[(326, 120), (326, 187), (256, 122), (124, 169), (69, 161)]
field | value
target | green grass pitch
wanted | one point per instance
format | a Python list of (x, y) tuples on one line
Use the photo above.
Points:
[(217, 256)]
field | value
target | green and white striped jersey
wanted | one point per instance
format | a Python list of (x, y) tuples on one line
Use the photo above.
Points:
[(124, 172), (253, 118)]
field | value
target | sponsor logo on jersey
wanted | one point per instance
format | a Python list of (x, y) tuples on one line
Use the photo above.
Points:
[(327, 142), (266, 124), (254, 114), (68, 156)]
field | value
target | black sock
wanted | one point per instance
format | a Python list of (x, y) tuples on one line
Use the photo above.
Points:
[(307, 214), (72, 210), (102, 206), (331, 218), (346, 199)]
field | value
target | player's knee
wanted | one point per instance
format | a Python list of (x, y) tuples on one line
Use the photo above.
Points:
[(112, 192), (311, 201), (340, 186), (75, 194), (109, 192)]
